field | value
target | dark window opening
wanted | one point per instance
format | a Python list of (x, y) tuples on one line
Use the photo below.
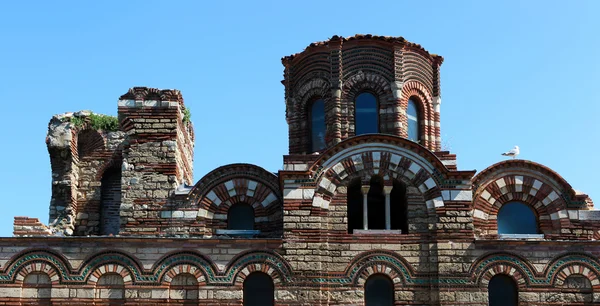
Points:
[(399, 207), (258, 290), (366, 118), (376, 204), (517, 218), (379, 291), (317, 125), (355, 203), (502, 291), (376, 212), (240, 217), (110, 220), (412, 114)]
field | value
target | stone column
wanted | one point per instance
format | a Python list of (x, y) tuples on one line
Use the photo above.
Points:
[(388, 217), (365, 192)]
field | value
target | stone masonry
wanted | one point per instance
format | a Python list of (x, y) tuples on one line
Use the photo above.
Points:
[(129, 226)]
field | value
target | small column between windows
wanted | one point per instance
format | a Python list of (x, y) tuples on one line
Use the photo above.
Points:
[(387, 190), (365, 192)]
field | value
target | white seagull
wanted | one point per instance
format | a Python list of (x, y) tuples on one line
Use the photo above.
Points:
[(513, 153)]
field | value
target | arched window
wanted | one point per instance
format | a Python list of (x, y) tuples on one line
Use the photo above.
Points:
[(240, 217), (502, 291), (517, 218), (317, 125), (379, 291), (110, 220), (412, 113), (366, 118), (184, 286), (259, 290), (37, 285), (110, 286)]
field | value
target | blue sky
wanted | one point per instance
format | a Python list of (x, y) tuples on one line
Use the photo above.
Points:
[(515, 73)]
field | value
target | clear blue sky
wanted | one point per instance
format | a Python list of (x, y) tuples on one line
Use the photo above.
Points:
[(515, 73)]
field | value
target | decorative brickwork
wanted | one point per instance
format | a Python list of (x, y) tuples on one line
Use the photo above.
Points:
[(127, 227)]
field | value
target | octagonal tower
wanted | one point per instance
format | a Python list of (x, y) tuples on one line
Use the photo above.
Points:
[(344, 87)]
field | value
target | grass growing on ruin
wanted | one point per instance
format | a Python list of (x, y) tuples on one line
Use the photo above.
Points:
[(97, 122), (187, 115)]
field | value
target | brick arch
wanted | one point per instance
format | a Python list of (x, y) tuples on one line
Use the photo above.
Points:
[(35, 259), (257, 267), (518, 183), (393, 161), (38, 267), (89, 141), (259, 261), (309, 90), (506, 270), (384, 262), (179, 269), (577, 269), (360, 82), (485, 267), (110, 268), (427, 128), (235, 183)]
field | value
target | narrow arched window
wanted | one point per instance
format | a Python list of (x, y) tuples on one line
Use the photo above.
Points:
[(317, 125), (412, 114), (366, 116), (240, 217), (379, 291), (259, 290), (502, 291), (517, 218), (110, 219)]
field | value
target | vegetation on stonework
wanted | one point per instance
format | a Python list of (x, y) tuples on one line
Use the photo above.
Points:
[(98, 122), (187, 115)]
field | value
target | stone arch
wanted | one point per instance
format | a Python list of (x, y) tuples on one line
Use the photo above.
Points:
[(379, 262), (262, 261), (184, 269), (34, 260), (486, 267), (428, 120), (526, 182), (37, 267), (576, 269), (309, 90), (506, 270), (240, 183), (257, 267), (360, 82), (179, 262), (110, 269), (392, 160)]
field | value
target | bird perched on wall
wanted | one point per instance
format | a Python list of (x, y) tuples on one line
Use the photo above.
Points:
[(513, 153)]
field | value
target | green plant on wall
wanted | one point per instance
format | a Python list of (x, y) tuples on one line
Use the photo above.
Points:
[(97, 122), (187, 115)]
